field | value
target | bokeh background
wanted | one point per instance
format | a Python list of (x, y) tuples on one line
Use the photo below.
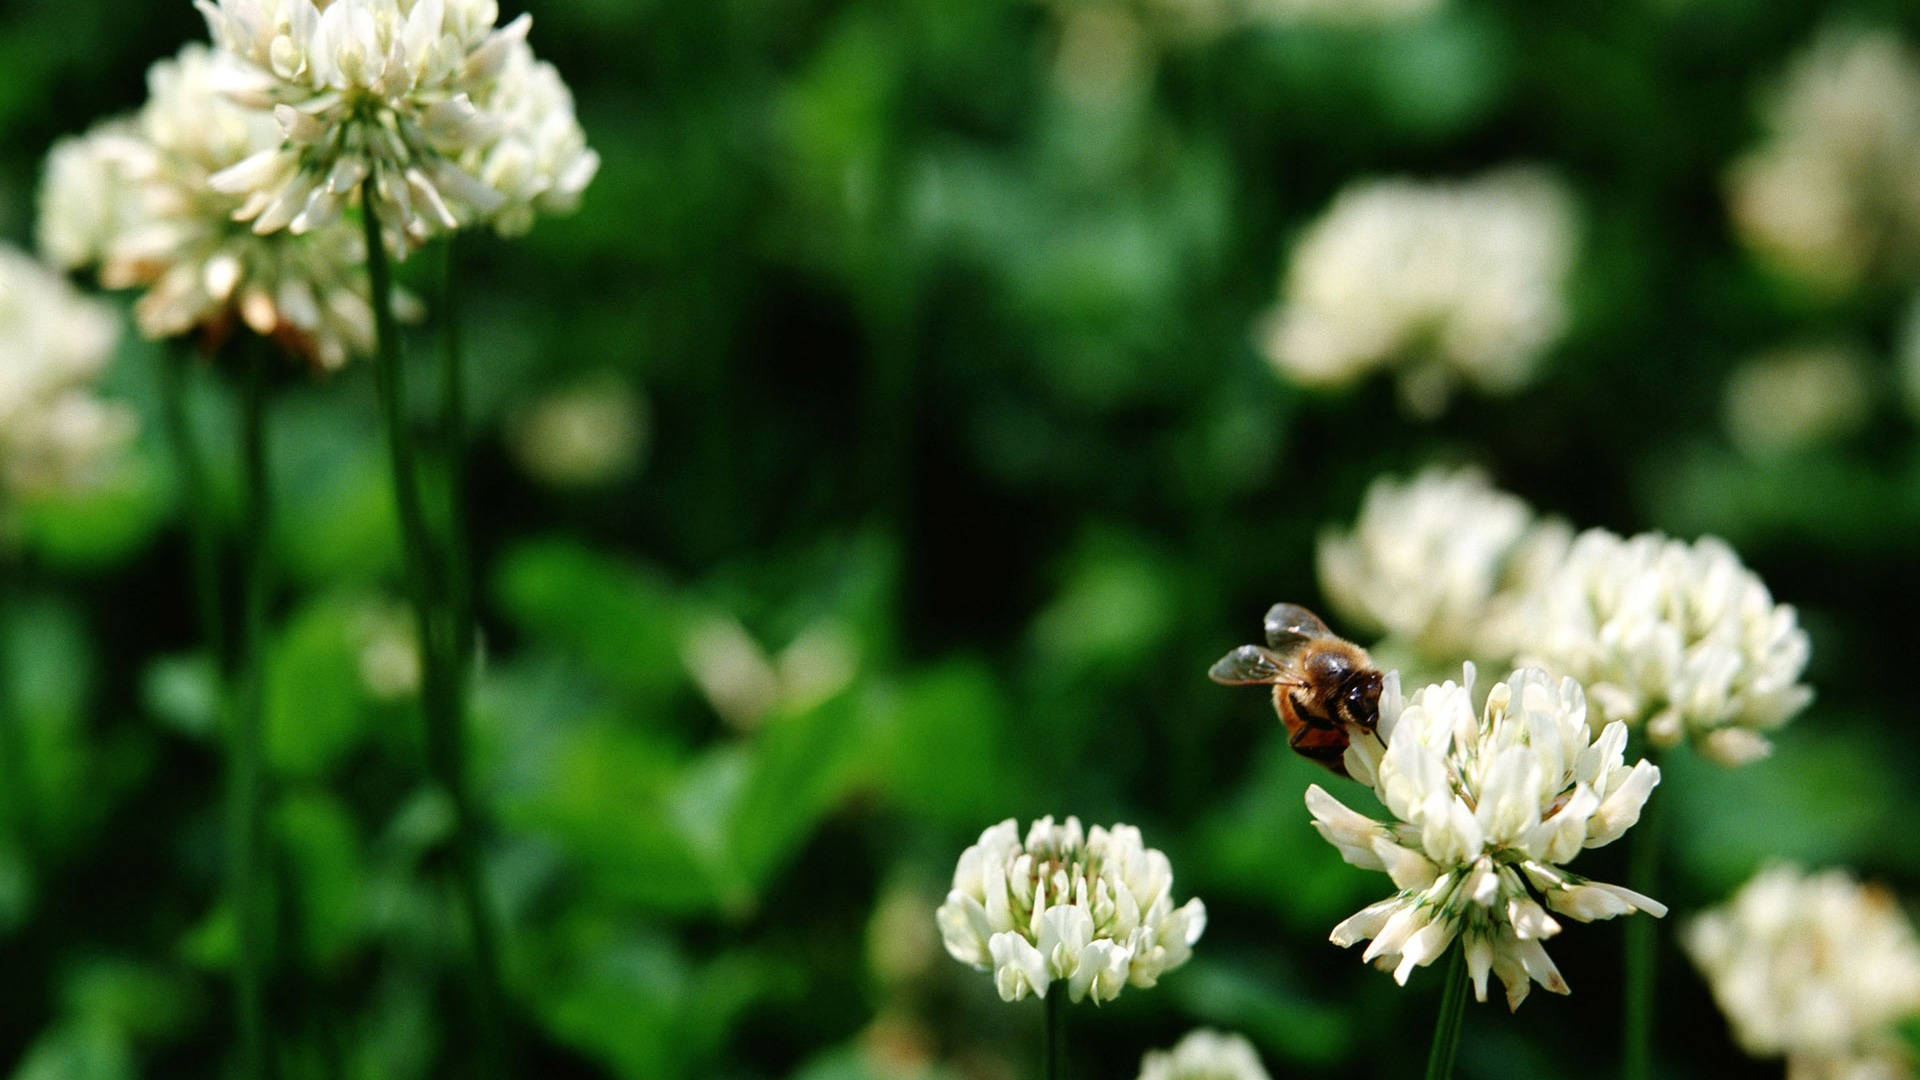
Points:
[(885, 449)]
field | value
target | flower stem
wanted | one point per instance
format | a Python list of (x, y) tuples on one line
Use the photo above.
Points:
[(247, 722), (1453, 1007), (453, 434), (443, 693), (201, 532), (1055, 1039), (1642, 954)]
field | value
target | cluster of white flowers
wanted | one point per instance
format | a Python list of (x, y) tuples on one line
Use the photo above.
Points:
[(1205, 1055), (1442, 282), (1677, 638), (1833, 198), (54, 432), (1430, 559), (1816, 968), (1489, 807), (447, 114), (132, 199), (1093, 910), (1680, 639)]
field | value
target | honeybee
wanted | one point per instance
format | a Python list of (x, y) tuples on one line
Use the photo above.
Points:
[(1323, 684)]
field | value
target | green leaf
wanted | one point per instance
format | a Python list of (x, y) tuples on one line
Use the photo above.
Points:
[(621, 621)]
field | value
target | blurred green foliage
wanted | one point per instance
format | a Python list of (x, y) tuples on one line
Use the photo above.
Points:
[(964, 466)]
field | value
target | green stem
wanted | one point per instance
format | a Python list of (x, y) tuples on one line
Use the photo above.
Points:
[(453, 421), (247, 727), (201, 526), (443, 695), (1643, 874), (1453, 1007), (1056, 1034)]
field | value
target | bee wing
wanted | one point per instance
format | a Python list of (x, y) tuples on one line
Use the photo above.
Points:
[(1290, 625), (1245, 666)]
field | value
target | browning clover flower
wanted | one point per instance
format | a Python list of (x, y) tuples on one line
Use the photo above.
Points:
[(1092, 910), (132, 198), (1817, 968), (1205, 1055), (1678, 637), (380, 89), (1442, 282), (1430, 559), (1488, 810), (54, 433)]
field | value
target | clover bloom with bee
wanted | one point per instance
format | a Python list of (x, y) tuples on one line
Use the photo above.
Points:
[(1489, 805), (1093, 910)]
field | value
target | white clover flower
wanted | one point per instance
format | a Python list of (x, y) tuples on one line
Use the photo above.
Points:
[(540, 161), (1488, 809), (586, 435), (380, 89), (1431, 559), (1833, 198), (1678, 638), (1443, 283), (1790, 398), (1092, 910), (55, 434), (85, 199), (1205, 1055), (1817, 968), (132, 198)]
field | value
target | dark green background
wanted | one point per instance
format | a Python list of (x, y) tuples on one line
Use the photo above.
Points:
[(936, 354)]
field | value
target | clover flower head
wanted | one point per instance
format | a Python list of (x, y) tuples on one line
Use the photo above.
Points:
[(133, 199), (1832, 199), (1205, 1054), (1443, 283), (1091, 909), (1817, 968), (1679, 638), (1488, 805), (55, 434), (365, 89), (1432, 559), (540, 161)]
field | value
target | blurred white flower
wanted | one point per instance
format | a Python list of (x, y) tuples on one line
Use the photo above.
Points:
[(1430, 559), (1441, 282), (540, 161), (387, 90), (1678, 638), (744, 684), (382, 635), (55, 434), (583, 436), (133, 198), (1816, 968), (1789, 398), (1488, 810), (86, 202), (1205, 1055), (1092, 910), (1833, 198)]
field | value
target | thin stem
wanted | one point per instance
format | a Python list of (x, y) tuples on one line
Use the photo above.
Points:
[(201, 526), (1453, 1007), (1056, 1034), (453, 433), (248, 698), (442, 691), (1643, 874)]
